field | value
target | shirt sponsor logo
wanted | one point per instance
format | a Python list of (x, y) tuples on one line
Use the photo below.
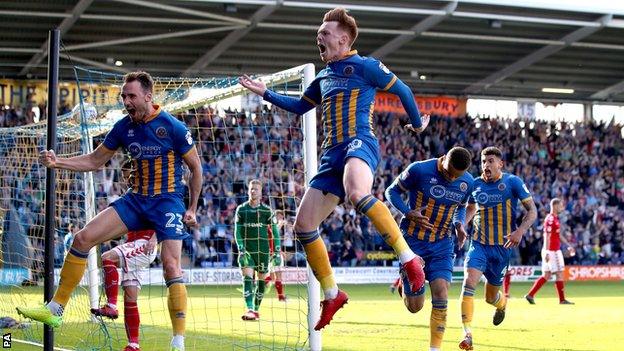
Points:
[(254, 225), (135, 150), (439, 192), (329, 83)]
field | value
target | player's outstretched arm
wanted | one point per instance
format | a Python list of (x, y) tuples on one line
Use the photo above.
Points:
[(380, 76), (255, 86), (409, 104), (294, 105), (83, 163), (191, 158)]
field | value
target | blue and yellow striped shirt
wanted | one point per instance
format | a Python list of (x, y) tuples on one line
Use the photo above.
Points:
[(496, 203), (345, 90), (156, 147), (428, 187)]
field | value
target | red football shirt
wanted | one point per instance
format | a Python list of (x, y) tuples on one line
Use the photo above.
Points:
[(551, 230)]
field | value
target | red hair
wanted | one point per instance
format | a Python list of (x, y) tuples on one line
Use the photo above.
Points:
[(345, 22)]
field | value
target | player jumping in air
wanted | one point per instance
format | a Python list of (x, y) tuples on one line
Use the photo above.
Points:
[(159, 145), (345, 89)]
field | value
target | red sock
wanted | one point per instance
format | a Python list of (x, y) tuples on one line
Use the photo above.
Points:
[(536, 286), (132, 321), (506, 282), (559, 285), (111, 279), (279, 287)]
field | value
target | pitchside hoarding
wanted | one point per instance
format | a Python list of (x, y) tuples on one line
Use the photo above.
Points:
[(349, 275)]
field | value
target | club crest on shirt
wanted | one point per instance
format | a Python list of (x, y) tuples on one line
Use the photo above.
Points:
[(348, 70), (161, 132), (384, 68), (463, 186), (502, 186)]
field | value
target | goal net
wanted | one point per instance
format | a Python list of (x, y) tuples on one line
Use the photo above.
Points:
[(238, 138)]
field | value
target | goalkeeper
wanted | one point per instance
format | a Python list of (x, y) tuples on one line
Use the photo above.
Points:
[(255, 226)]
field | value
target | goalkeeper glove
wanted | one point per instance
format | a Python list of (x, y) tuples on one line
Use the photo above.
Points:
[(277, 258)]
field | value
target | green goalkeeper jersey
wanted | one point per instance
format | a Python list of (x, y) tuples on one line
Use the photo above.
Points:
[(256, 229)]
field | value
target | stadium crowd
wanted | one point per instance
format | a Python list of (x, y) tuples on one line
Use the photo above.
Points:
[(579, 162)]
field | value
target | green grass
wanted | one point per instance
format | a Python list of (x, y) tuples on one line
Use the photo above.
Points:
[(373, 320)]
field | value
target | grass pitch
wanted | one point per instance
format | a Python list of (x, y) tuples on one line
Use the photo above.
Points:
[(373, 320)]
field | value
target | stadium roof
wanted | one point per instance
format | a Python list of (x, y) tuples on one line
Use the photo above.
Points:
[(473, 47)]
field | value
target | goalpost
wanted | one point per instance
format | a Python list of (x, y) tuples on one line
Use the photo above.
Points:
[(235, 146)]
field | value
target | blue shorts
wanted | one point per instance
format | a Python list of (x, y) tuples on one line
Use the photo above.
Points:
[(492, 260), (162, 213), (438, 255), (330, 174)]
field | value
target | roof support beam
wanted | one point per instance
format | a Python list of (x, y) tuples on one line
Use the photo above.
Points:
[(65, 25), (183, 10), (420, 27), (92, 63), (144, 38), (535, 57), (607, 92), (229, 40)]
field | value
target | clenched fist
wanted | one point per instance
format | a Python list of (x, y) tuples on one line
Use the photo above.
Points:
[(47, 158)]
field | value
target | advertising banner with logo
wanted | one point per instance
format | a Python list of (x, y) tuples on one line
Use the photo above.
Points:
[(433, 105), (378, 256), (19, 92), (343, 275), (594, 273)]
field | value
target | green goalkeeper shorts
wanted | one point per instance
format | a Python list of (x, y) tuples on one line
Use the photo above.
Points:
[(258, 261)]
